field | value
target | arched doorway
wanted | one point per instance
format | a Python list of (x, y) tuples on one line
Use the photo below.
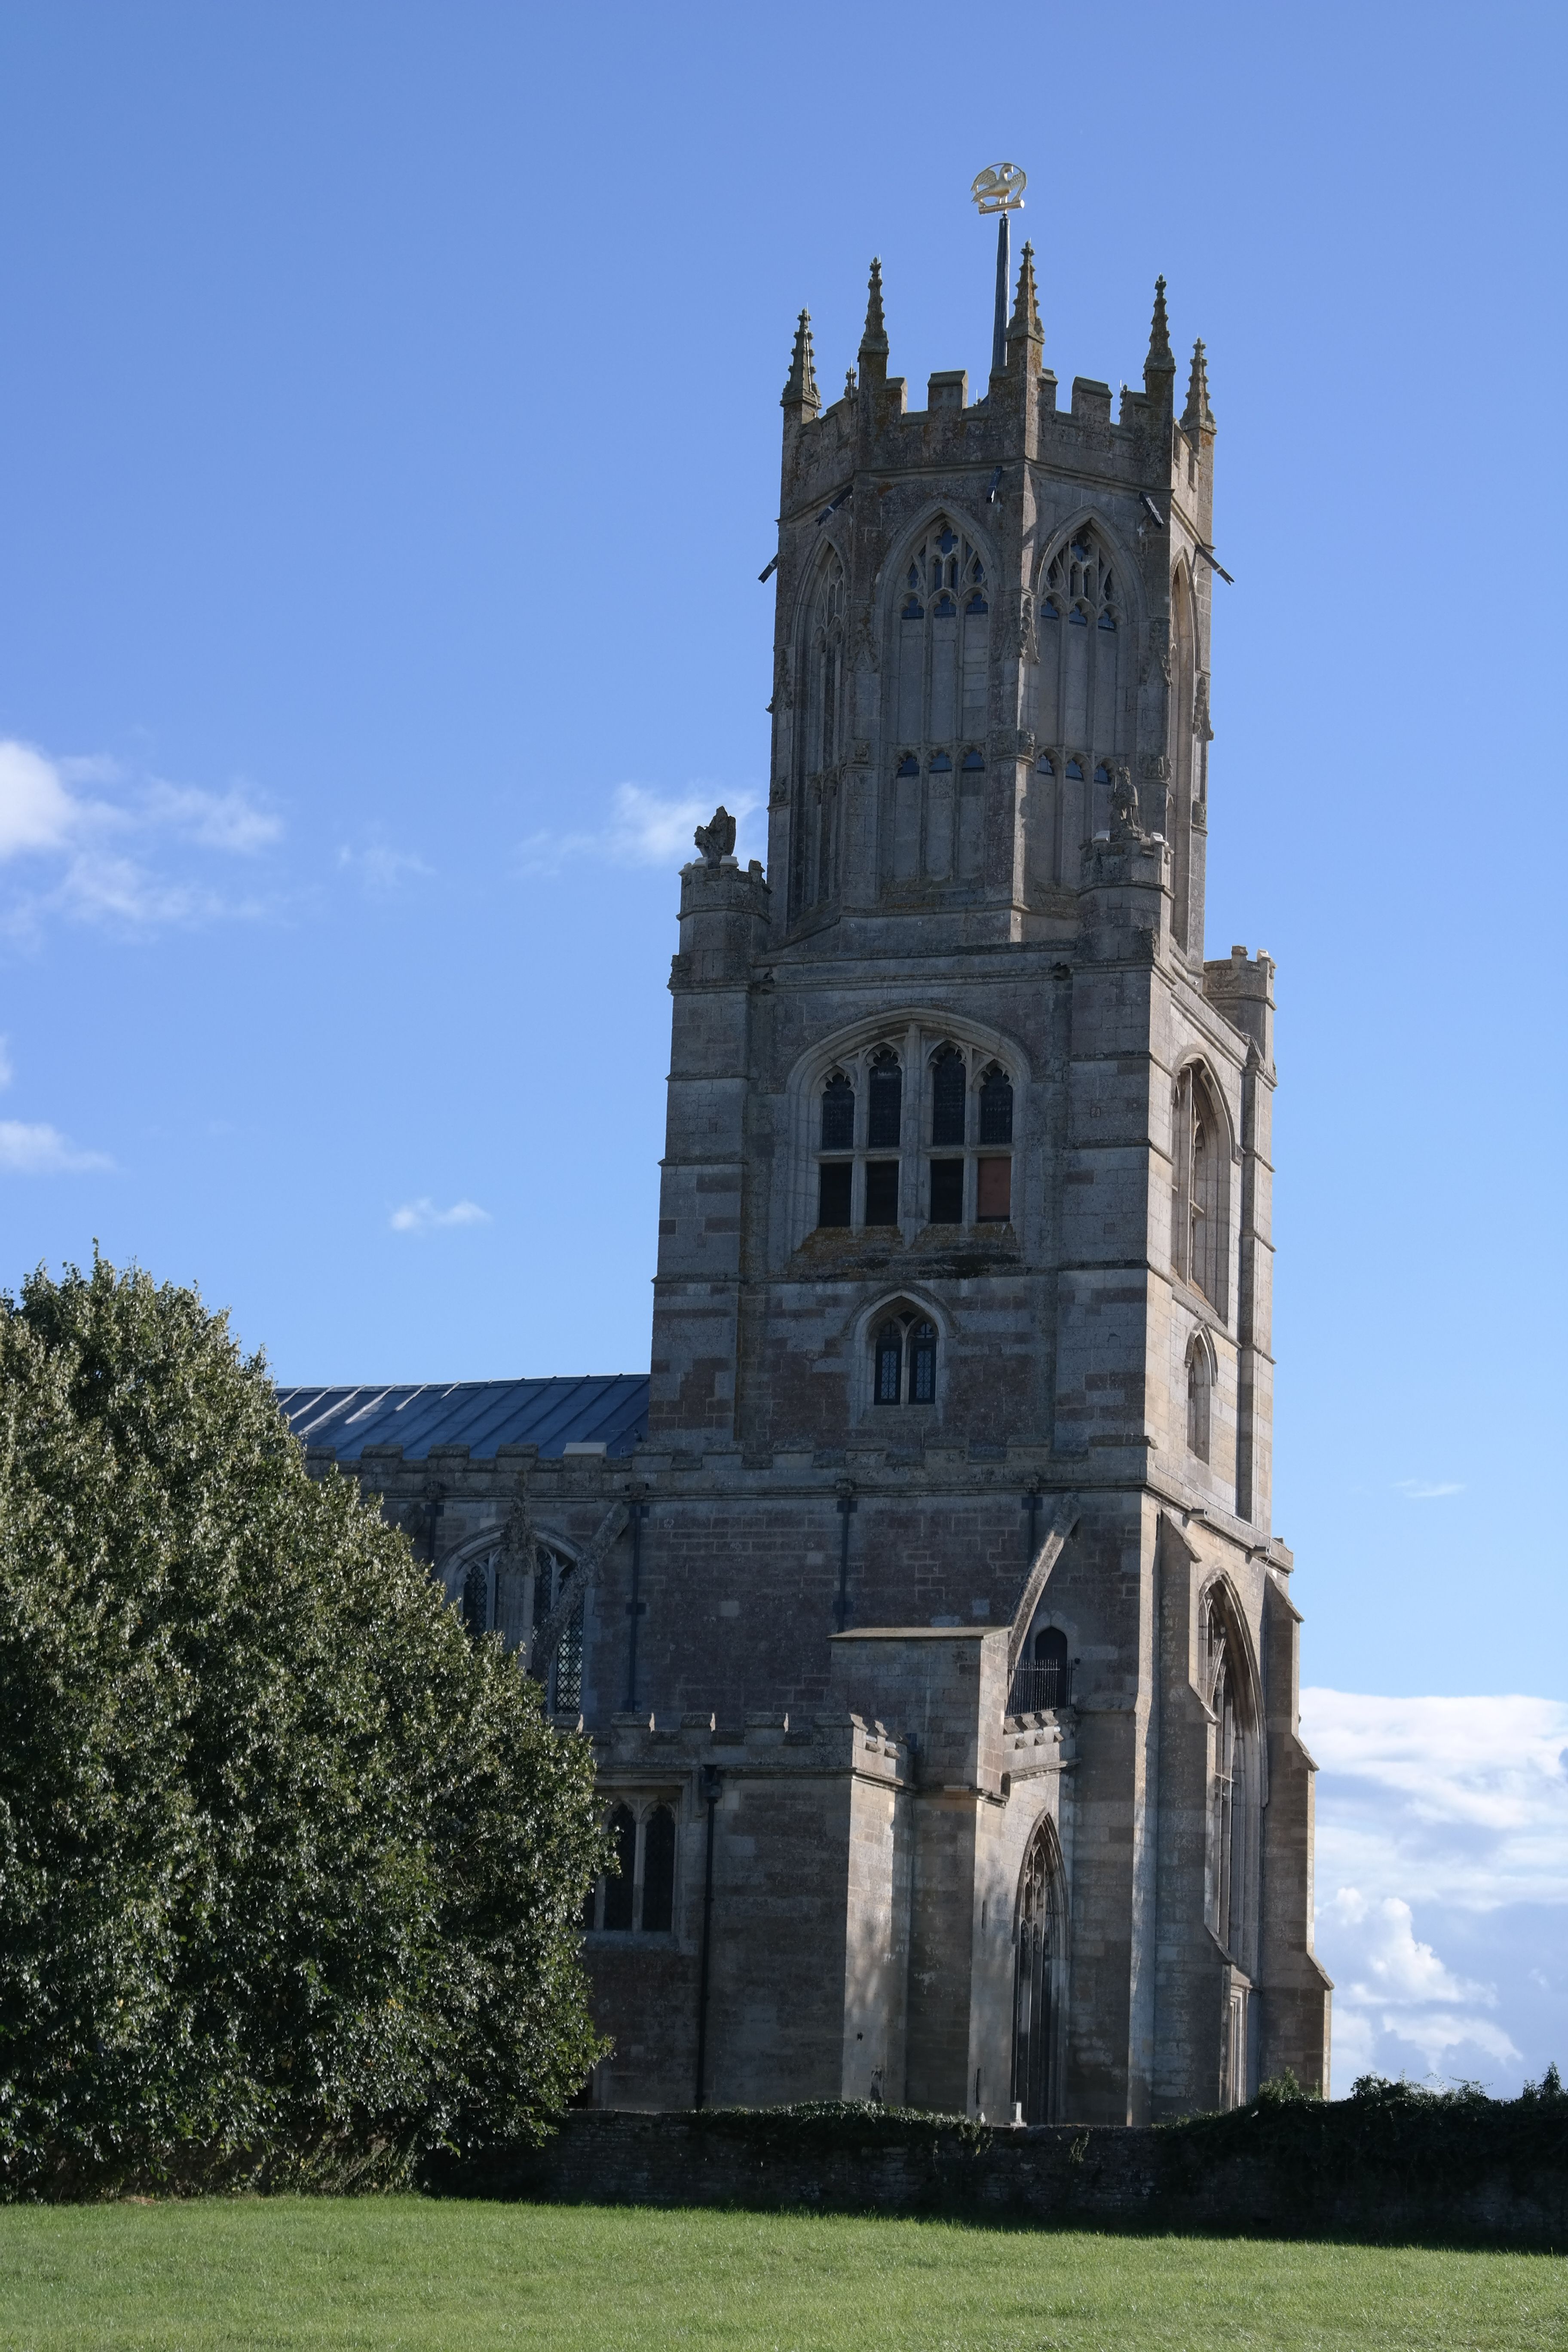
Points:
[(1036, 1977)]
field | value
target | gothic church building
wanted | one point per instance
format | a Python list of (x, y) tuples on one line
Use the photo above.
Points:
[(922, 1606)]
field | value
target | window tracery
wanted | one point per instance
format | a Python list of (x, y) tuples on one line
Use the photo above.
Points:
[(939, 693), (859, 1152), (904, 1347), (1078, 693)]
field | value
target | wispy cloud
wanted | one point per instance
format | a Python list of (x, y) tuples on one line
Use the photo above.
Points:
[(422, 1216), (6, 1071), (643, 828), (101, 844), (382, 872), (1427, 1490), (43, 1152)]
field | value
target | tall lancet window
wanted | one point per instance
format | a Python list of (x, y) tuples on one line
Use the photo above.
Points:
[(1082, 679), (941, 670), (1200, 1392), (1230, 1844), (824, 726), (1200, 1189)]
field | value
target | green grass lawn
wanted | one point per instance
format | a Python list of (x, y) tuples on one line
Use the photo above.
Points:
[(403, 2271)]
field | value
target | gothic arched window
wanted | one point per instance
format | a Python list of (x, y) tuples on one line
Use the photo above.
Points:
[(558, 1665), (903, 1359), (838, 1113), (822, 699), (995, 1106), (949, 1096), (1078, 693), (1200, 1188), (939, 692), (1200, 1388), (1038, 1938), (1229, 1685), (476, 1603), (885, 1112), (659, 1872)]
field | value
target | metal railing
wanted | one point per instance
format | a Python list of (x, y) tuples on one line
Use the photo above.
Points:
[(1037, 1687)]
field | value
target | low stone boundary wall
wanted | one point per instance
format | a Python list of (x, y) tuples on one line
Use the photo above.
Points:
[(1308, 2171)]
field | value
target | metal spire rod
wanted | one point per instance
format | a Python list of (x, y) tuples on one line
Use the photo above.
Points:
[(999, 189)]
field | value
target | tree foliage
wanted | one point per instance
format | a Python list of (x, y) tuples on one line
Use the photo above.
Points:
[(290, 1870)]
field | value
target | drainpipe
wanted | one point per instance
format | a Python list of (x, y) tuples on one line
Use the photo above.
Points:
[(712, 1789), (636, 1606), (846, 1505)]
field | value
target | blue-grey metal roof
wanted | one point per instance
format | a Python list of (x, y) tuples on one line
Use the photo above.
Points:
[(608, 1408)]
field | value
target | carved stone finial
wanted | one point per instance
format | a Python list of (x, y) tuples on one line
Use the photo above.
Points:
[(1160, 367), (1197, 416), (875, 337), (716, 840), (1025, 323), (800, 391)]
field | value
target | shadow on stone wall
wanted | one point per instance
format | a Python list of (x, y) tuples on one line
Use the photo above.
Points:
[(1391, 2163)]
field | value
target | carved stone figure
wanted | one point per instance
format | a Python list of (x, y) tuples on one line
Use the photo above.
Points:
[(716, 839), (1124, 824)]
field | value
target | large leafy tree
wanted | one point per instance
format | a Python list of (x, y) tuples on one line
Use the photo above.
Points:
[(291, 1869)]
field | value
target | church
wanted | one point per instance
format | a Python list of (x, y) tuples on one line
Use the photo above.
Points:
[(922, 1602)]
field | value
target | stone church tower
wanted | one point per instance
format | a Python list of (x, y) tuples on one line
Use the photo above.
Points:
[(938, 1659)]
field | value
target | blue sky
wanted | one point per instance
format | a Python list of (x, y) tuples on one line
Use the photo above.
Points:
[(388, 447)]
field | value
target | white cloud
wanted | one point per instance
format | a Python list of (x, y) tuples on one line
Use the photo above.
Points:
[(118, 854), (1460, 1801), (36, 810), (1427, 1490), (422, 1216), (642, 828), (1454, 1809), (43, 1152), (1388, 1982)]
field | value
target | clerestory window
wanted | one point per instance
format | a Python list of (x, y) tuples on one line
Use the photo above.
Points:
[(637, 1896)]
